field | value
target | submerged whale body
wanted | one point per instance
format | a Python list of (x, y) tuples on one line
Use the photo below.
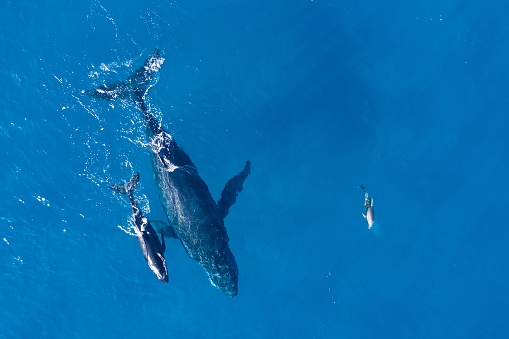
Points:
[(194, 217), (151, 248)]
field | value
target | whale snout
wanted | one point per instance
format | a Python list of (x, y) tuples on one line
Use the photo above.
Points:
[(163, 271), (223, 272), (231, 292), (157, 264)]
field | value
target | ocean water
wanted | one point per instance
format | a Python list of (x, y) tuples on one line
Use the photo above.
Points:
[(407, 98)]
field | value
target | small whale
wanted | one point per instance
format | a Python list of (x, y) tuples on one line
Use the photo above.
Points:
[(368, 204), (151, 248), (194, 217)]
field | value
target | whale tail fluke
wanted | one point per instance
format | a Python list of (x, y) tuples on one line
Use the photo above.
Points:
[(232, 188), (109, 91), (135, 86), (129, 187)]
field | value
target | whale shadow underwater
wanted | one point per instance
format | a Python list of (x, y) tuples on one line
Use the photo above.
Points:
[(194, 217)]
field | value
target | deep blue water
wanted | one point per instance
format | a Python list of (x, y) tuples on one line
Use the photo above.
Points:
[(408, 98)]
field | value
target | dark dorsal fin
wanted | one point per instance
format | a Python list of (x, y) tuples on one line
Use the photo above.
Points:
[(231, 190)]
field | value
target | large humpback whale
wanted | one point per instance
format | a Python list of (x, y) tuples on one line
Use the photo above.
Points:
[(193, 215), (151, 248)]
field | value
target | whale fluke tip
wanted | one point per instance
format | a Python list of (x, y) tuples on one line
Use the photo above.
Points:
[(129, 187)]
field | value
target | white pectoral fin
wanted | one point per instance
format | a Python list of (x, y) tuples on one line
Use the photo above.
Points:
[(372, 202), (364, 215)]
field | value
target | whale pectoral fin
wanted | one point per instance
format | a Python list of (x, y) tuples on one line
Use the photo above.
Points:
[(364, 215), (162, 226), (232, 188), (372, 202), (163, 243)]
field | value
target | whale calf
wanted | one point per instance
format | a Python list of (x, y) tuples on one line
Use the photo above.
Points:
[(193, 215), (151, 248)]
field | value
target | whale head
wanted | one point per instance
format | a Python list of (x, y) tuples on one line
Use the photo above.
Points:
[(222, 270), (157, 264)]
